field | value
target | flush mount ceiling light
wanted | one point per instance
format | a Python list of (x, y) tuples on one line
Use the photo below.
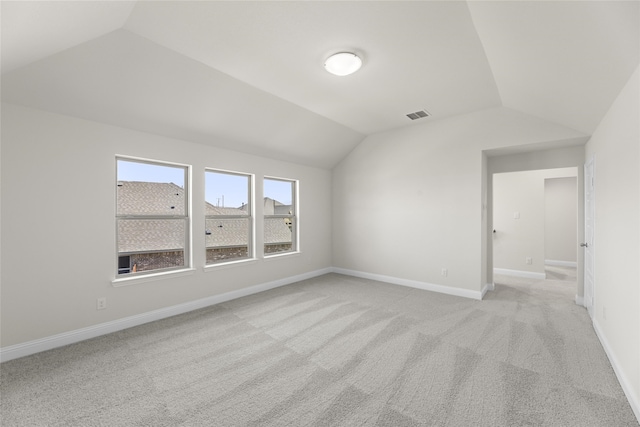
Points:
[(343, 63)]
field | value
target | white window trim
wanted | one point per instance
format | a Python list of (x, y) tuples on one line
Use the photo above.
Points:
[(151, 277), (277, 255), (154, 275), (252, 221), (296, 215), (228, 264)]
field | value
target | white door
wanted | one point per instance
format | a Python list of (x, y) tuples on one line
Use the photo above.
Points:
[(588, 245)]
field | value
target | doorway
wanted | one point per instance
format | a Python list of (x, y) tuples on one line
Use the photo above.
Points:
[(507, 160), (535, 225)]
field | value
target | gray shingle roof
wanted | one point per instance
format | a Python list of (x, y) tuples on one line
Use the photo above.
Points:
[(276, 231), (150, 198), (226, 232), (215, 210), (151, 235)]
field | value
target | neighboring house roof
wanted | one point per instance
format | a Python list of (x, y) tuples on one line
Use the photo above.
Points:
[(154, 235), (216, 210), (276, 231), (226, 232), (150, 198), (233, 232), (150, 235), (274, 207)]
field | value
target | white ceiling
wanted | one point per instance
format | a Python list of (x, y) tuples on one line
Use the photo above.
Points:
[(248, 75)]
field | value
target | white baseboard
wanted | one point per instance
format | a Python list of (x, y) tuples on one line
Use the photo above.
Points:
[(449, 290), (622, 378), (560, 263), (71, 337), (580, 301), (486, 288), (520, 273), (59, 340)]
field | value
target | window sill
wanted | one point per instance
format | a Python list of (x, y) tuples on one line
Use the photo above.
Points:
[(152, 277), (220, 266), (282, 255)]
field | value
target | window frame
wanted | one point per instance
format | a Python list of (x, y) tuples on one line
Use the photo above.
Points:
[(295, 217), (187, 218), (250, 216)]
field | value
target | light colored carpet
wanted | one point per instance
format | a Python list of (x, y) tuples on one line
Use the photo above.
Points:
[(335, 351)]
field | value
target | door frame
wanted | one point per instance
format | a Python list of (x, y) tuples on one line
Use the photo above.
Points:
[(521, 160), (589, 236)]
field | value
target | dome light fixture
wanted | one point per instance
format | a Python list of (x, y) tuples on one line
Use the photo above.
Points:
[(343, 63)]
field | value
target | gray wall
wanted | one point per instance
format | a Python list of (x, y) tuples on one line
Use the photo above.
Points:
[(615, 146), (517, 239), (424, 186), (561, 220), (58, 224)]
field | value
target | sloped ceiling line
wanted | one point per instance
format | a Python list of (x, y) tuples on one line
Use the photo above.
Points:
[(33, 30), (563, 62), (484, 51)]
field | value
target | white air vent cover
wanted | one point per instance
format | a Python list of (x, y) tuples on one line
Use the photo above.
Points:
[(418, 115)]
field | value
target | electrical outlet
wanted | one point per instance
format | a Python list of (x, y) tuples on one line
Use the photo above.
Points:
[(529, 261), (101, 303), (444, 272)]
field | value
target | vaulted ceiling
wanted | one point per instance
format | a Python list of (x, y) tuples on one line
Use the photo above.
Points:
[(248, 75)]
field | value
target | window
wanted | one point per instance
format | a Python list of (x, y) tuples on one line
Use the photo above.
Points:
[(228, 216), (152, 216), (280, 218)]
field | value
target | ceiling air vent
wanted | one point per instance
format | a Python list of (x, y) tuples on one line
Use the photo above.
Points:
[(418, 115)]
